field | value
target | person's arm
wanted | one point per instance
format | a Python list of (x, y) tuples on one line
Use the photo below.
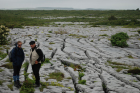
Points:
[(40, 53), (23, 56), (13, 55)]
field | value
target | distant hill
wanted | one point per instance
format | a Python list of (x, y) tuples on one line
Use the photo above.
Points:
[(52, 8)]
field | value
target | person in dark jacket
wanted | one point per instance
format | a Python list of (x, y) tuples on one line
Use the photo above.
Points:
[(17, 56), (36, 55)]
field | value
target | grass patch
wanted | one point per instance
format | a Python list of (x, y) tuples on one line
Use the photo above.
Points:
[(60, 85), (7, 60), (61, 32), (130, 56), (50, 31), (28, 86), (43, 85), (2, 55), (115, 63), (1, 82), (49, 36), (1, 70), (76, 67), (118, 66), (81, 75), (10, 86), (68, 78), (50, 48), (82, 82), (51, 43), (77, 36), (91, 41), (56, 75), (25, 66), (103, 30), (47, 60), (103, 35), (8, 65), (135, 70)]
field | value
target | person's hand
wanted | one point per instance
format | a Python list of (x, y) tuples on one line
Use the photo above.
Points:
[(36, 62)]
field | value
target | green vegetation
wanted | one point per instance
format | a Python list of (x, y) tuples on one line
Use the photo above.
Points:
[(76, 67), (1, 82), (25, 66), (91, 41), (43, 85), (56, 75), (112, 18), (50, 31), (82, 82), (118, 66), (10, 86), (60, 85), (135, 70), (77, 36), (28, 86), (50, 48), (61, 32), (19, 18), (81, 75), (4, 32), (130, 56), (8, 65), (51, 43), (1, 70), (2, 55), (68, 78), (115, 63), (35, 40), (47, 60), (119, 39), (7, 60), (138, 31), (103, 35)]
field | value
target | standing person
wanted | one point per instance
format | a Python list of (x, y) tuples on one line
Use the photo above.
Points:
[(17, 56), (36, 55)]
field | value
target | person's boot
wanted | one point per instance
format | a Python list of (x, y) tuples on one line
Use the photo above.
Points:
[(18, 83), (37, 84), (15, 84)]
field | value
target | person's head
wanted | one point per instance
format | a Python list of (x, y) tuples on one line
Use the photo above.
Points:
[(32, 44), (19, 44)]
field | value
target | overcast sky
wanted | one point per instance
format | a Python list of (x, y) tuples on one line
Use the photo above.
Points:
[(82, 4)]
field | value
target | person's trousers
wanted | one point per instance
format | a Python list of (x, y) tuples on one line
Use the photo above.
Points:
[(16, 72), (36, 68)]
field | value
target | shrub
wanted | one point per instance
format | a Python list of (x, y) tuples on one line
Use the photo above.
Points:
[(28, 86), (82, 82), (81, 75), (112, 18), (3, 35), (119, 39)]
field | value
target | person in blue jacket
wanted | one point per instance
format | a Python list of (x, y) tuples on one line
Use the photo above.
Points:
[(17, 56)]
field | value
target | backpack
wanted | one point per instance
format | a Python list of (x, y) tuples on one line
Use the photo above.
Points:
[(43, 59), (10, 54)]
